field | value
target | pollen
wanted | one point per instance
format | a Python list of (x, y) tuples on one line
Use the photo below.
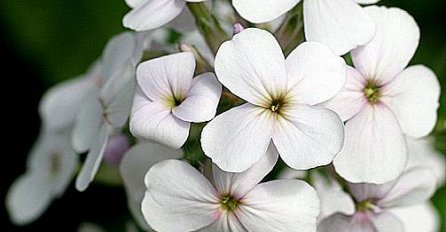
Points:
[(372, 93), (229, 203), (276, 105)]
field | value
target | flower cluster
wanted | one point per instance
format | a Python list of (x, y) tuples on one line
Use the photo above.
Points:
[(249, 84)]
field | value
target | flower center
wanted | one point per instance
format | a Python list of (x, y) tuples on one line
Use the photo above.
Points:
[(229, 203), (365, 205), (174, 101), (276, 105), (371, 92), (55, 163)]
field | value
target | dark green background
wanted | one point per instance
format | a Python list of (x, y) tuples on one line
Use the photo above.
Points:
[(47, 41)]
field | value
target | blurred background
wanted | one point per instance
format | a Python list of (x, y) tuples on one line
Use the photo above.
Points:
[(43, 42)]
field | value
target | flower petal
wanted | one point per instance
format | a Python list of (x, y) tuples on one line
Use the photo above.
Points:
[(422, 153), (134, 165), (315, 74), (88, 121), (226, 222), (238, 138), (392, 47), (201, 101), (261, 11), (285, 205), (60, 105), (340, 24), (307, 137), (415, 186), (332, 197), (418, 218), (28, 198), (239, 184), (175, 190), (363, 222), (166, 77), (154, 121), (93, 160), (351, 99), (367, 1), (375, 149), (252, 66), (414, 97), (153, 14), (366, 191)]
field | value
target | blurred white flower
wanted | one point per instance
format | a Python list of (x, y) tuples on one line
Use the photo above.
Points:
[(107, 106), (382, 101), (423, 153), (52, 161), (168, 99), (374, 203), (152, 14), (229, 202), (117, 146), (135, 164), (280, 96), (340, 24)]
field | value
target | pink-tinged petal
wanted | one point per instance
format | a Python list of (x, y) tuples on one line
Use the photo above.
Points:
[(238, 138), (152, 14), (201, 101), (332, 197), (166, 77), (351, 99), (391, 49), (118, 107), (93, 160), (28, 198), (252, 66), (314, 73), (60, 104), (364, 191), (261, 11), (175, 190), (423, 217), (284, 205), (134, 3), (239, 184), (415, 186), (375, 148), (135, 164), (226, 223), (307, 137), (88, 121), (117, 146), (422, 153), (340, 24), (414, 98), (154, 121), (361, 222)]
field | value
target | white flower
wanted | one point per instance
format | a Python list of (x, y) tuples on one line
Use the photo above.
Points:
[(107, 106), (340, 24), (418, 218), (422, 153), (168, 99), (151, 14), (382, 101), (179, 198), (374, 203), (280, 96), (135, 164), (52, 161)]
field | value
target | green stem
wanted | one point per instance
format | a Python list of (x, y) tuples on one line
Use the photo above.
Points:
[(208, 25), (291, 33)]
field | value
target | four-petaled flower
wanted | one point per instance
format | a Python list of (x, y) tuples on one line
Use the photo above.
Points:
[(280, 96), (168, 99), (382, 101), (227, 202)]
